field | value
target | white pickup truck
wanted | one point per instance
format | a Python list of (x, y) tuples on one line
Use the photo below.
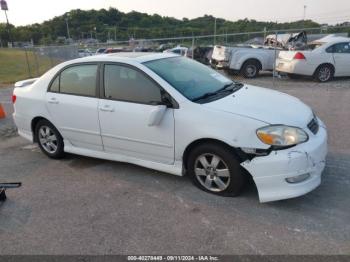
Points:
[(250, 61), (220, 57)]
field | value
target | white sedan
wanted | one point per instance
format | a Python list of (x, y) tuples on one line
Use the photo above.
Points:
[(175, 115), (179, 50), (327, 60)]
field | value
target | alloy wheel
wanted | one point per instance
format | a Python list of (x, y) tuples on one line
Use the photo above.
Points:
[(250, 70), (48, 139), (324, 74), (212, 172)]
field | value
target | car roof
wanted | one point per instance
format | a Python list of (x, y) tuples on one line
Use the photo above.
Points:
[(138, 57)]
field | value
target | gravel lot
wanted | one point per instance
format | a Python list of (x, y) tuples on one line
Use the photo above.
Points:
[(81, 205)]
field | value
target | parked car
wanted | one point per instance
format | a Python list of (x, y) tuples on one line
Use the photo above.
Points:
[(163, 47), (178, 116), (180, 50), (250, 61), (327, 60), (143, 49), (100, 51), (201, 54), (84, 52), (115, 50)]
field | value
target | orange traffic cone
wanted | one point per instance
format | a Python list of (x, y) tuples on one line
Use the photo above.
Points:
[(2, 112)]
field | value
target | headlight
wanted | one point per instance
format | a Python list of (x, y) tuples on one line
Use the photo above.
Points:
[(282, 136)]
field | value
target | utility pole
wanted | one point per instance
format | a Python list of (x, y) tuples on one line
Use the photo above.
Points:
[(304, 15), (68, 33), (4, 7), (215, 31)]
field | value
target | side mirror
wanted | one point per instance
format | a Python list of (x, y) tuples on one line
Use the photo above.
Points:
[(156, 115), (166, 100)]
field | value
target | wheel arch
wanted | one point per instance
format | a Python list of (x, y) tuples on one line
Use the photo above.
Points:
[(323, 64), (241, 156), (33, 124), (252, 59)]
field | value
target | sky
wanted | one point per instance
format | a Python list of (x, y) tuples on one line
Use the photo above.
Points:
[(23, 12)]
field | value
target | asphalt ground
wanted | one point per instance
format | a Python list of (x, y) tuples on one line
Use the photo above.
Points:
[(81, 205)]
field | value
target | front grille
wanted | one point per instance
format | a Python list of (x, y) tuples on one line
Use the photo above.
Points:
[(314, 126)]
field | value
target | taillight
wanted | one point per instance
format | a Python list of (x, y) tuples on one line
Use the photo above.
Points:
[(14, 97), (299, 56)]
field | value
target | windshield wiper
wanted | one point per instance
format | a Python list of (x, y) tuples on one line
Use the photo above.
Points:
[(232, 87)]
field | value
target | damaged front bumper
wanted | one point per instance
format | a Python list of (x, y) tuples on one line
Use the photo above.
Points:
[(292, 172)]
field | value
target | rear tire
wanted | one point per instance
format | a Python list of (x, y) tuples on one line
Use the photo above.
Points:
[(215, 169), (324, 73), (49, 139), (250, 69)]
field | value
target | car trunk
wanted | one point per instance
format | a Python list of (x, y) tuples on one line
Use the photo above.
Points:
[(289, 55)]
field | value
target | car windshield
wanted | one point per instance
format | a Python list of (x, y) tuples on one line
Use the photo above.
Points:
[(193, 80)]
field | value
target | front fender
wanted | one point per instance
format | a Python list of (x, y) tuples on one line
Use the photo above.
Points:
[(234, 130)]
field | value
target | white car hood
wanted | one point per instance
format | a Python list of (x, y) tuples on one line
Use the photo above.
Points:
[(269, 106)]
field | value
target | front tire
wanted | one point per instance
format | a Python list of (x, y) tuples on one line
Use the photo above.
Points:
[(49, 139), (215, 169)]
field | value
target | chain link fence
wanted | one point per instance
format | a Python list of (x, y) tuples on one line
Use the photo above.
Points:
[(40, 59)]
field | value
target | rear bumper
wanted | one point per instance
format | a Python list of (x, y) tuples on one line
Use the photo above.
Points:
[(294, 67), (23, 126), (270, 172), (219, 64)]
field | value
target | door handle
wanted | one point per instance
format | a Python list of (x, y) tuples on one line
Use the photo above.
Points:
[(53, 100), (106, 108)]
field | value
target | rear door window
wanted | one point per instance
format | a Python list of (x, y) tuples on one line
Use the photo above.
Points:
[(339, 48), (77, 80), (55, 86)]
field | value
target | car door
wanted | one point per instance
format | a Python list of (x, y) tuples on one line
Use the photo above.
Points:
[(129, 101), (72, 102), (341, 56)]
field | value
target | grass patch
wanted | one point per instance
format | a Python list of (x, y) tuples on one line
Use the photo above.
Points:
[(16, 65)]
